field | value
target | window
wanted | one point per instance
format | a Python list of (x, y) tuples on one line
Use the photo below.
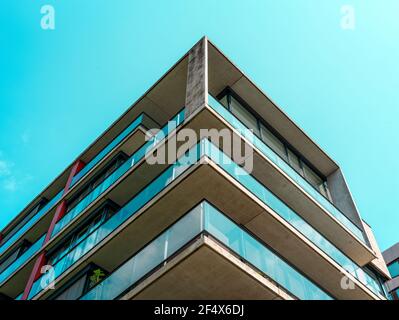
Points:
[(116, 163), (25, 219), (83, 284), (277, 145), (273, 142), (295, 162), (395, 294), (394, 268), (244, 115), (14, 255), (224, 102), (88, 228), (379, 280)]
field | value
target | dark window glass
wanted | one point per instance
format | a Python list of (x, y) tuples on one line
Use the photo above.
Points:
[(23, 221), (273, 142), (75, 290), (224, 102), (277, 145), (81, 286), (244, 115), (295, 162), (89, 227), (14, 255), (116, 163), (394, 268)]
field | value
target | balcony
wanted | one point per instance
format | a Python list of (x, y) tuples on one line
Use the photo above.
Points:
[(204, 219), (122, 141), (295, 190), (27, 226), (243, 198), (142, 119), (118, 173), (18, 271)]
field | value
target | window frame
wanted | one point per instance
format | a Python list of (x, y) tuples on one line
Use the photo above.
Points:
[(97, 179), (69, 241), (20, 250), (84, 272), (260, 121), (396, 261)]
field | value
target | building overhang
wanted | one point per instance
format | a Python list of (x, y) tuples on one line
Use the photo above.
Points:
[(205, 270), (224, 73), (207, 181)]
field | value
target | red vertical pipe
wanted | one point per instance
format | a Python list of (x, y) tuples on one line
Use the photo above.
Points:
[(75, 169), (59, 213), (35, 274)]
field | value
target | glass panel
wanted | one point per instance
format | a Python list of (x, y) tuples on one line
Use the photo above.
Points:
[(30, 223), (315, 180), (178, 235), (122, 215), (311, 176), (395, 294), (74, 291), (252, 250), (394, 269), (273, 142), (221, 228), (244, 115), (109, 181), (10, 259), (227, 235), (224, 103), (26, 218), (22, 259), (294, 161), (289, 215), (275, 158), (148, 258), (107, 149)]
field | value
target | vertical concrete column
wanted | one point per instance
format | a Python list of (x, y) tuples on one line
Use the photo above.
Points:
[(197, 77), (59, 213)]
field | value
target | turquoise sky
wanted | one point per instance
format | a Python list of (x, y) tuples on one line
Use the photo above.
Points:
[(60, 89)]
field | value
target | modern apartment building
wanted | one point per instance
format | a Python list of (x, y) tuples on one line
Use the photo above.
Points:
[(391, 257), (114, 225)]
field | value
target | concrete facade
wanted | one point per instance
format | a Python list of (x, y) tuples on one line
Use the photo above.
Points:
[(302, 233)]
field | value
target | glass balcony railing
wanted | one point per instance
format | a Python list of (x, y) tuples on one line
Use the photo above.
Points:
[(30, 223), (115, 221), (205, 219), (283, 210), (205, 148), (76, 178), (277, 160), (32, 250), (110, 180), (107, 149)]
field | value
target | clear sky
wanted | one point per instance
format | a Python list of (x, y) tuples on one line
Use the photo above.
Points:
[(61, 88)]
